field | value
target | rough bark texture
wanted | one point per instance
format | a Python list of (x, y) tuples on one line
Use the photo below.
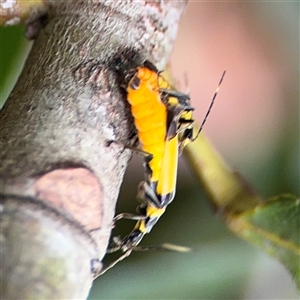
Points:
[(43, 254), (59, 175)]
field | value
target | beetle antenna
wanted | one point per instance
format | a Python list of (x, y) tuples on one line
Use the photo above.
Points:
[(210, 106)]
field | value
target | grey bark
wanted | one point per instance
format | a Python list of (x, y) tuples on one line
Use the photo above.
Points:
[(59, 175)]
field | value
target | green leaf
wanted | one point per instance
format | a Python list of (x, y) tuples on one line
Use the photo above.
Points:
[(274, 227)]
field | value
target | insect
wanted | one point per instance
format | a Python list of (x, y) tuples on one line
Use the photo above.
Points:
[(164, 122)]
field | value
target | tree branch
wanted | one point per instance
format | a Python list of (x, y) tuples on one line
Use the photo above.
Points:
[(55, 127)]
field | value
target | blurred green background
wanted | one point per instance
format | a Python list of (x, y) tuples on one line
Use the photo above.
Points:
[(254, 125)]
